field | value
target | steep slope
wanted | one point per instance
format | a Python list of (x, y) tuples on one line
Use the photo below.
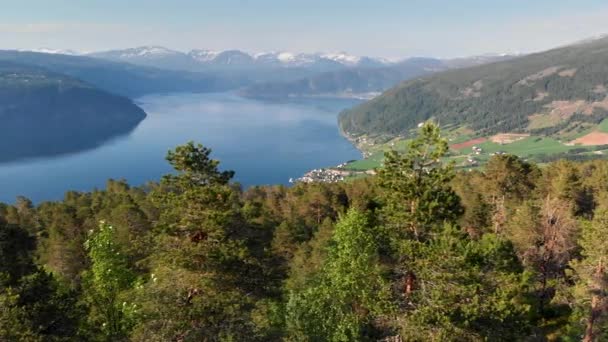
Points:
[(44, 113), (549, 93)]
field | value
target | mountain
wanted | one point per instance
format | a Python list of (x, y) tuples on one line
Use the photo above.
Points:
[(45, 113), (352, 82), (234, 58), (363, 82), (123, 78), (55, 51), (561, 92), (199, 59), (153, 56), (317, 62)]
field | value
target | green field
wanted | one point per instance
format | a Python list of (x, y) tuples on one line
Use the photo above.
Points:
[(528, 148), (603, 126), (370, 163)]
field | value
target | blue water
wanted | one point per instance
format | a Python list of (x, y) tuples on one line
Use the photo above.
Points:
[(265, 143)]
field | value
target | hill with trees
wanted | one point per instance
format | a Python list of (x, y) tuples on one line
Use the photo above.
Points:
[(44, 113), (557, 92), (418, 252), (122, 78)]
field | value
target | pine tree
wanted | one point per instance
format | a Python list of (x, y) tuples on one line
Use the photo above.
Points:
[(591, 274), (417, 193), (203, 281)]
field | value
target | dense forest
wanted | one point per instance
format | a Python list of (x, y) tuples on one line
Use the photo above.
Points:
[(419, 252), (496, 97)]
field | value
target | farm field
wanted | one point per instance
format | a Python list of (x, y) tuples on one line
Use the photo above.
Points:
[(534, 148)]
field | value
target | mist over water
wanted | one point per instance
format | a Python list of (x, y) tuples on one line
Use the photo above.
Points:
[(265, 143)]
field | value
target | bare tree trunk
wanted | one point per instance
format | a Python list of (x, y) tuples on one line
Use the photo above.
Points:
[(589, 334), (596, 304)]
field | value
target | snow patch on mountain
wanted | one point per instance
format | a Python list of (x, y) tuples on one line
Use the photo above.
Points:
[(204, 55), (343, 58), (240, 58), (55, 51), (148, 52)]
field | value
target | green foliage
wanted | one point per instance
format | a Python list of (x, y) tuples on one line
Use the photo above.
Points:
[(349, 292), (510, 177), (193, 161), (462, 290), (591, 291), (108, 277), (202, 274), (417, 192), (33, 305), (194, 258), (16, 247)]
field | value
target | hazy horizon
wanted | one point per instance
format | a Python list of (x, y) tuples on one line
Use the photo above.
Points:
[(388, 29)]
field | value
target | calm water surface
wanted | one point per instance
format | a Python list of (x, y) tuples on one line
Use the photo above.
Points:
[(265, 143)]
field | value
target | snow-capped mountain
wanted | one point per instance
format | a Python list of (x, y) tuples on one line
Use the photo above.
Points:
[(343, 58), (204, 56), (55, 51), (143, 52), (154, 56), (201, 59)]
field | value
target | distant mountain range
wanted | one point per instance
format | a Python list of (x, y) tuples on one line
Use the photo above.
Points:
[(274, 75), (204, 59), (561, 93), (126, 79), (361, 82)]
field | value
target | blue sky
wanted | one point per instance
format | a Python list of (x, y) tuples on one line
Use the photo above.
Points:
[(387, 28)]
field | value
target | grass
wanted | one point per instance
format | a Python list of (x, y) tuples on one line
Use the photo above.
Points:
[(369, 163), (542, 121), (525, 148), (603, 126)]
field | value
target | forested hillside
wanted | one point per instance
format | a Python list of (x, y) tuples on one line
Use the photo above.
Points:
[(122, 78), (548, 93), (416, 253), (43, 113)]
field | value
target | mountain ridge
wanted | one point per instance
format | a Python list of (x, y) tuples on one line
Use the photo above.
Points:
[(362, 82), (200, 58), (547, 93)]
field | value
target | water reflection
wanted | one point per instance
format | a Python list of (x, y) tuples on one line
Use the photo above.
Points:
[(264, 143), (22, 140)]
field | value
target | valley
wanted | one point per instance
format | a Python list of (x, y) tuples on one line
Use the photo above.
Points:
[(304, 171), (541, 107)]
